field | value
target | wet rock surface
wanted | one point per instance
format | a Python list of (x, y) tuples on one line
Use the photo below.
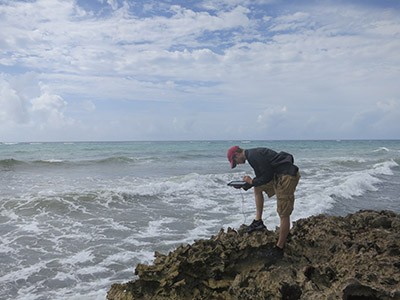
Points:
[(326, 257)]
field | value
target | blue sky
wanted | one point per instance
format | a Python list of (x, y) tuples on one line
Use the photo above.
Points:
[(189, 70)]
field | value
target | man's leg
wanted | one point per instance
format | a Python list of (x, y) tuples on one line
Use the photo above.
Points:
[(268, 188), (283, 231), (285, 186), (276, 252), (258, 223), (259, 198)]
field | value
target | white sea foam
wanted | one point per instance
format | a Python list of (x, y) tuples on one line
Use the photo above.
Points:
[(22, 272), (120, 257), (80, 257), (144, 256), (157, 228), (384, 168), (5, 248), (62, 276), (355, 184), (9, 214), (53, 160), (134, 241), (31, 227), (381, 149), (91, 270)]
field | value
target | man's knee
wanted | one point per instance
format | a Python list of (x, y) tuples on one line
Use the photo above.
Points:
[(285, 206), (267, 188)]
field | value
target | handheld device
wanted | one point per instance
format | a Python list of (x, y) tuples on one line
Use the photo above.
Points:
[(237, 184)]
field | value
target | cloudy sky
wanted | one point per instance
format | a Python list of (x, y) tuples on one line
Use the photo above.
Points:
[(77, 70)]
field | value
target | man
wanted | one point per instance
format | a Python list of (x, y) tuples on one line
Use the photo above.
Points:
[(275, 174)]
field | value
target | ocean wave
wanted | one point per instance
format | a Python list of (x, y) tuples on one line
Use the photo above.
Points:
[(113, 159), (384, 168), (8, 143), (49, 161), (356, 183), (349, 161), (10, 162), (323, 189), (381, 149)]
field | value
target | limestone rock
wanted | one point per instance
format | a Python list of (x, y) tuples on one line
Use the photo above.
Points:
[(326, 257)]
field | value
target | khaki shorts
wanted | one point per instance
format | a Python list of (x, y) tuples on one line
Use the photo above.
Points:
[(283, 187)]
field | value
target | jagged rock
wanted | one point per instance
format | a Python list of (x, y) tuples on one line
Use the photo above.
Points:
[(326, 257)]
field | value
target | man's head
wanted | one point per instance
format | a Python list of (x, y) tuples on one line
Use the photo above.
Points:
[(236, 156)]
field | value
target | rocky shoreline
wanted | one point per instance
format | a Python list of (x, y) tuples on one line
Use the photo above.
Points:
[(326, 257)]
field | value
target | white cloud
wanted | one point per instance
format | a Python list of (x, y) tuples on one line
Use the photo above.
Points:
[(113, 4), (48, 109), (88, 105), (380, 119), (324, 62), (272, 117), (390, 105), (291, 22), (25, 101), (12, 106)]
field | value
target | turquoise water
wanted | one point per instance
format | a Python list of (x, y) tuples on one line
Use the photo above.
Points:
[(77, 217)]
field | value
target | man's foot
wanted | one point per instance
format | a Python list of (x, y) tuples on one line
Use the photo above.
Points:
[(275, 253), (256, 225)]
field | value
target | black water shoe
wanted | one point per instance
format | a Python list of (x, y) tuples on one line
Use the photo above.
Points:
[(275, 253), (256, 225)]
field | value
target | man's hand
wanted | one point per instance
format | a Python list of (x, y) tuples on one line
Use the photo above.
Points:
[(248, 179)]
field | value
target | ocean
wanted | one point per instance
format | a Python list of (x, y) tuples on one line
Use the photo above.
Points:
[(78, 217)]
